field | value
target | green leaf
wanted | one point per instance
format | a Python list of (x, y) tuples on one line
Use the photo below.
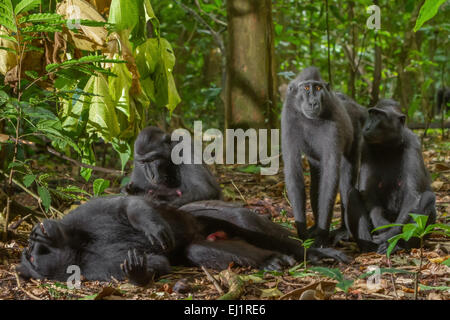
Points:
[(45, 197), (83, 60), (409, 230), (155, 61), (442, 226), (271, 293), (440, 288), (124, 14), (420, 219), (15, 164), (428, 11), (392, 243), (86, 173), (7, 16), (345, 284), (329, 272), (102, 114), (119, 88), (388, 226), (124, 151), (32, 74), (29, 179), (254, 169), (446, 262), (26, 5), (42, 17), (41, 28), (100, 186), (8, 37)]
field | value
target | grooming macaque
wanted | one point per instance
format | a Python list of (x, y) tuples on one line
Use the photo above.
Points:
[(393, 180), (155, 174)]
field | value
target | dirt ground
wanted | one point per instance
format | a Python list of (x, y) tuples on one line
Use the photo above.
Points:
[(265, 194)]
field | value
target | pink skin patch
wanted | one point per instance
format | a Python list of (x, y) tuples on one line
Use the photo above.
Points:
[(31, 259), (218, 235), (179, 193)]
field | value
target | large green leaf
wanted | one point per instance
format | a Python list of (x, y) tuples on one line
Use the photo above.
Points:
[(124, 14), (102, 114), (74, 114), (155, 61), (7, 16), (119, 88), (428, 11)]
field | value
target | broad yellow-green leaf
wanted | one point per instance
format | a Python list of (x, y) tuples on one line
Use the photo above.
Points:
[(124, 14), (155, 61), (428, 11), (102, 114), (74, 115), (119, 88)]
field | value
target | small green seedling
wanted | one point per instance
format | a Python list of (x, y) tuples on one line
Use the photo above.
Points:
[(306, 244), (335, 274), (419, 229)]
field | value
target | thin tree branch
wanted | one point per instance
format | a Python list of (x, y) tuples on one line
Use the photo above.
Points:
[(83, 165), (216, 35), (223, 23)]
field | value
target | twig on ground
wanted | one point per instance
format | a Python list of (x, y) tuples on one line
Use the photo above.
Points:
[(214, 281), (232, 182), (32, 296)]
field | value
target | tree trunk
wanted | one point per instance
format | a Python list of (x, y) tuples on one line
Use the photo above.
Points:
[(406, 78), (375, 93), (250, 89)]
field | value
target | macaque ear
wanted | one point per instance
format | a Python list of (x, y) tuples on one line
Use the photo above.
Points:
[(402, 119), (327, 85)]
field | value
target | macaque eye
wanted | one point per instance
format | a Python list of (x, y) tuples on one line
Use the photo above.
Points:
[(307, 88), (318, 88)]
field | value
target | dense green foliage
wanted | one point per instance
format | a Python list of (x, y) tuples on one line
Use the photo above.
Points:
[(301, 40)]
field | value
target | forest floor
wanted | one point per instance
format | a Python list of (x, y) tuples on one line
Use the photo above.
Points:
[(265, 194)]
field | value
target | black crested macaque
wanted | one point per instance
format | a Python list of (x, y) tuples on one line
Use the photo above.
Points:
[(130, 237), (326, 127), (393, 180), (442, 99), (154, 173)]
